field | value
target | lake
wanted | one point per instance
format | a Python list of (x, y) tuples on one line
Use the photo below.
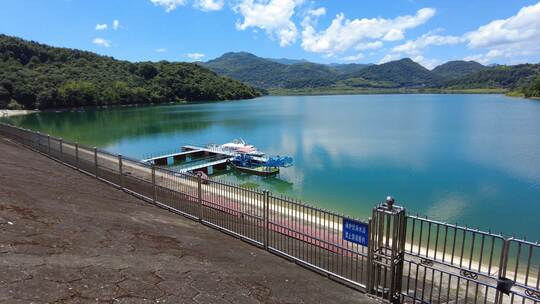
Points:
[(471, 159)]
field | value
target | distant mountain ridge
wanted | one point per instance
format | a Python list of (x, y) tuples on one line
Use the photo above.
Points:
[(399, 74)]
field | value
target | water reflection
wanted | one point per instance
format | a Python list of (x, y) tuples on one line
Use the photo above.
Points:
[(103, 127)]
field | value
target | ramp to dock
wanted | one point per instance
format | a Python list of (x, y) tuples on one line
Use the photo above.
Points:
[(182, 153)]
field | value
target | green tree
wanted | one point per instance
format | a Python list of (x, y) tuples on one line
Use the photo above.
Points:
[(533, 90), (147, 70), (5, 97), (77, 93)]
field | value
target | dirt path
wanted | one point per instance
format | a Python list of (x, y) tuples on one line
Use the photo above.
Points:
[(67, 238)]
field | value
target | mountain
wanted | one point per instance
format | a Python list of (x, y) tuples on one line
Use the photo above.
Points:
[(34, 75), (286, 60), (457, 69), (348, 68), (500, 76), (403, 73), (264, 73), (301, 75)]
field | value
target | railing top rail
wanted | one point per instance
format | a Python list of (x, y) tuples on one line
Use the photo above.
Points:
[(455, 226), (535, 244)]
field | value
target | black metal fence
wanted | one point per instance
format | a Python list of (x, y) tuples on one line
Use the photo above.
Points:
[(409, 258)]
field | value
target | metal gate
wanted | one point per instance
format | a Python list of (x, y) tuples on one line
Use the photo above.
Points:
[(417, 260)]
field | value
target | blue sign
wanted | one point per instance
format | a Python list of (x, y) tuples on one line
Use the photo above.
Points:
[(355, 232)]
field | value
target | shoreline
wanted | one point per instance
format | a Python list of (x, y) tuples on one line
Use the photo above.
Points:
[(4, 113), (396, 91), (11, 113)]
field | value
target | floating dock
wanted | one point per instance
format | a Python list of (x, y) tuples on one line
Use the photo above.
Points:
[(211, 158)]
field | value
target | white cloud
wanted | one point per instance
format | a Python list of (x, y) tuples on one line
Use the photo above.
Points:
[(161, 50), (101, 27), (353, 57), (369, 46), (390, 57), (115, 24), (414, 47), (516, 36), (209, 5), (344, 34), (273, 16), (394, 35), (488, 57), (101, 42), (317, 12), (426, 62), (169, 5), (195, 56)]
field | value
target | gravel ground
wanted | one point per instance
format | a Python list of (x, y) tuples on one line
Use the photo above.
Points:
[(67, 238)]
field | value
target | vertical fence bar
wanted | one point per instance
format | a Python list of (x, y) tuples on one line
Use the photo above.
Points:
[(120, 171), (95, 162), (266, 215), (38, 142), (199, 197), (154, 188), (503, 264), (61, 143), (77, 156)]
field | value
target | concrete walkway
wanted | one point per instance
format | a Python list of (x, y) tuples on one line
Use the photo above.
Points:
[(67, 238)]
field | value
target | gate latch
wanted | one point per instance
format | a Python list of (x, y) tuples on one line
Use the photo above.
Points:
[(504, 285)]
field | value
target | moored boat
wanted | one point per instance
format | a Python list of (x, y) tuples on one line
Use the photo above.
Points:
[(256, 170), (240, 146)]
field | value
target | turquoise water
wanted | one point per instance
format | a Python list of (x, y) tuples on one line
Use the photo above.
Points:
[(471, 159)]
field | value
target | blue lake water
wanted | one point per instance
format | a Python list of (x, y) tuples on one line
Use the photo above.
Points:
[(471, 159)]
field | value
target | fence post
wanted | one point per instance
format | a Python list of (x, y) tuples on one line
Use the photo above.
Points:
[(61, 149), (120, 171), (503, 264), (49, 144), (38, 146), (95, 162), (371, 242), (38, 136), (77, 156), (386, 250), (199, 196), (266, 218), (154, 190)]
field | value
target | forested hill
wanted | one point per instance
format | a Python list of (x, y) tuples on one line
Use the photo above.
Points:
[(34, 75), (456, 69), (399, 73), (266, 73), (283, 75)]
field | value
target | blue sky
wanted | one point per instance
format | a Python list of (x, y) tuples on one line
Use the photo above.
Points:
[(430, 32)]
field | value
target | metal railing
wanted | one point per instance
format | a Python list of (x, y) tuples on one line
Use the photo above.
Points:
[(408, 258)]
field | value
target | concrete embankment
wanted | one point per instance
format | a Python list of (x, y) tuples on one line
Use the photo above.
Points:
[(66, 237), (9, 113)]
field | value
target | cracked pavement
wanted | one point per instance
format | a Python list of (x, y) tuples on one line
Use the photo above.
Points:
[(67, 238)]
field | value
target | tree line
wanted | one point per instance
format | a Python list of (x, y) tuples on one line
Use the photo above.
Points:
[(34, 75)]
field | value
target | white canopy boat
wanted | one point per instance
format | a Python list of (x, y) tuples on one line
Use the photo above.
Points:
[(240, 146)]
